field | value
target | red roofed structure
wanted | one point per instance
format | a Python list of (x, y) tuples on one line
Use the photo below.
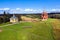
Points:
[(44, 16)]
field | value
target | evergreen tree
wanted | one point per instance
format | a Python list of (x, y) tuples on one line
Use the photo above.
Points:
[(5, 16)]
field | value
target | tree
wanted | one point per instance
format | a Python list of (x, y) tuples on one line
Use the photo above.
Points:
[(5, 16), (1, 20)]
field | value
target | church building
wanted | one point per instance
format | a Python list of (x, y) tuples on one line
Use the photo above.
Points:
[(44, 16), (14, 19)]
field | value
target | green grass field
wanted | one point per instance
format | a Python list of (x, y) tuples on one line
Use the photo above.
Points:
[(28, 31)]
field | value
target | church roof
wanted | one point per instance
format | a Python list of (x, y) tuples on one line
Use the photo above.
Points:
[(13, 17)]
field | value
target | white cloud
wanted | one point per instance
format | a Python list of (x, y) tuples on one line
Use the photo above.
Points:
[(19, 10), (28, 10), (54, 10), (40, 10), (4, 8), (1, 8), (16, 10)]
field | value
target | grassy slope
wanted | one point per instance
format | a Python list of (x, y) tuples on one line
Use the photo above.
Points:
[(56, 29), (24, 31), (5, 23)]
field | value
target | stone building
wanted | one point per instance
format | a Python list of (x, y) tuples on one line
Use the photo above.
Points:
[(14, 19)]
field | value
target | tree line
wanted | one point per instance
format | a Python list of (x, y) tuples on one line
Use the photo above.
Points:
[(5, 17)]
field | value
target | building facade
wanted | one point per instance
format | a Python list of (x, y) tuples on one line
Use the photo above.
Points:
[(14, 19), (44, 16)]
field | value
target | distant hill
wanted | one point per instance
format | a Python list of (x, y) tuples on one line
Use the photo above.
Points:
[(38, 15)]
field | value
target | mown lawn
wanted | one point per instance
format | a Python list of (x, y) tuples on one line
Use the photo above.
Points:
[(28, 31)]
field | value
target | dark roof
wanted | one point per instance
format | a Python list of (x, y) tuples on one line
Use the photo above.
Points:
[(13, 16)]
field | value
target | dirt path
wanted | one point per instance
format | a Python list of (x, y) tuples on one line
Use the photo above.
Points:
[(24, 18), (13, 23), (9, 24)]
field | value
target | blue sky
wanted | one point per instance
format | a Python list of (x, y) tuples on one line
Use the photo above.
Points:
[(29, 6)]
